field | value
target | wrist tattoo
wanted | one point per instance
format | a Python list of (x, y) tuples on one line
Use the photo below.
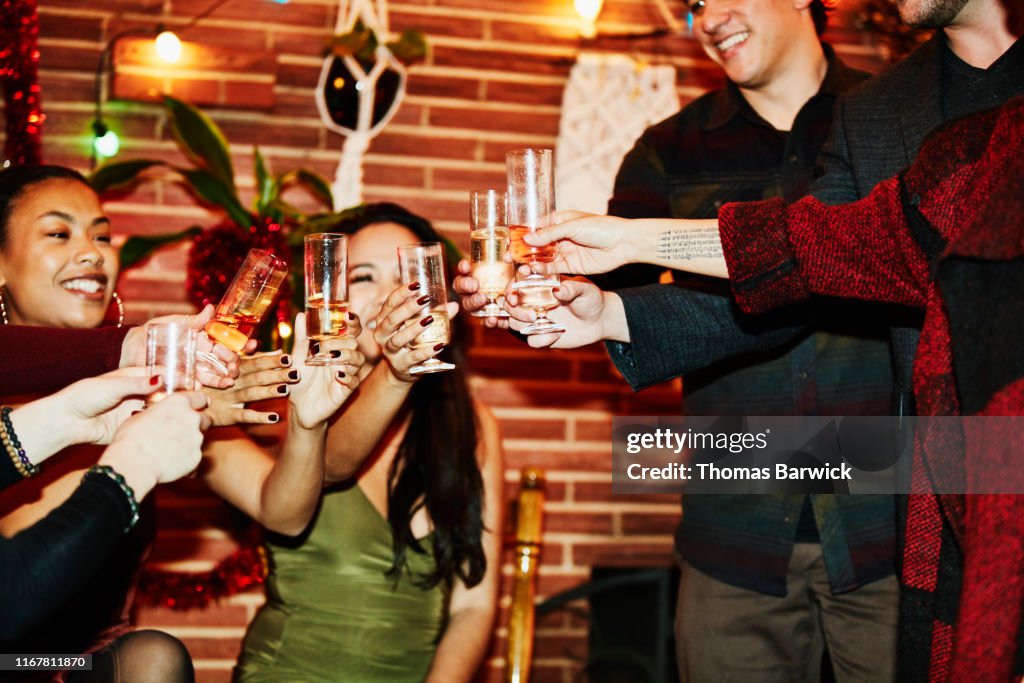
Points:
[(689, 244)]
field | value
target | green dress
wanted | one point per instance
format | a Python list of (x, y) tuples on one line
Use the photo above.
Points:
[(332, 614)]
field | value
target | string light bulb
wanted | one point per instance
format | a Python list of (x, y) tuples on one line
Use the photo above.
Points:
[(588, 11), (105, 142), (168, 47), (284, 330)]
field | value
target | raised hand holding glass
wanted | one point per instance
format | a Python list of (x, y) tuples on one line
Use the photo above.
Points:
[(424, 263)]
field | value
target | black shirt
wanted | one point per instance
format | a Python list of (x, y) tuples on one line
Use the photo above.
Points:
[(967, 89)]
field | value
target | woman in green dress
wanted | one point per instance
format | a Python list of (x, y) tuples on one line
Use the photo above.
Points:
[(396, 578)]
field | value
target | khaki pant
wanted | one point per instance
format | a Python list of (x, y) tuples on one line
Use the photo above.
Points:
[(724, 633)]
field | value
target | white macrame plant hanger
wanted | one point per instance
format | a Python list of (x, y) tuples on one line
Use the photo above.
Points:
[(348, 178), (608, 102)]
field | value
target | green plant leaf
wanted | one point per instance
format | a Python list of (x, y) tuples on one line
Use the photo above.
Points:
[(351, 43), (281, 210), (138, 247), (267, 189), (320, 222), (312, 181), (213, 190), (201, 140), (318, 186), (410, 47), (116, 175)]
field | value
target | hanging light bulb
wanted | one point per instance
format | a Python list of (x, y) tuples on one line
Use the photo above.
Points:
[(588, 11), (105, 142), (168, 47)]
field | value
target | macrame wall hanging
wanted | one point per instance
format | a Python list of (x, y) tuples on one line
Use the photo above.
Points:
[(608, 102), (357, 97)]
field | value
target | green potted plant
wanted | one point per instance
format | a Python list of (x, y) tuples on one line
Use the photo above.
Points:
[(270, 223)]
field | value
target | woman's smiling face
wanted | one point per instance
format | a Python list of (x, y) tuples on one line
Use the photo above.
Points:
[(57, 265), (373, 275)]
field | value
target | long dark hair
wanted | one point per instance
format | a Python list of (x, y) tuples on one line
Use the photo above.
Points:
[(436, 465), (16, 179)]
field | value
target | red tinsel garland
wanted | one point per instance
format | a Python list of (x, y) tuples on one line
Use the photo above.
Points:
[(244, 568), (19, 74)]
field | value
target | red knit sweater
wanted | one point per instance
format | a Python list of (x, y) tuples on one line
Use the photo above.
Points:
[(968, 186)]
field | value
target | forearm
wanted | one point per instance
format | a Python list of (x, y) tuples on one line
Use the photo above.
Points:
[(291, 489), (673, 330), (463, 646), (70, 355), (693, 246), (363, 423), (42, 566), (43, 428), (779, 255)]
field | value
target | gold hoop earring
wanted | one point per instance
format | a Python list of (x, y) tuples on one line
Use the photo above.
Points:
[(120, 310), (3, 306)]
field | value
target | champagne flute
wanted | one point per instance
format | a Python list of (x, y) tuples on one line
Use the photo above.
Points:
[(489, 241), (531, 206), (326, 269), (424, 263), (245, 302)]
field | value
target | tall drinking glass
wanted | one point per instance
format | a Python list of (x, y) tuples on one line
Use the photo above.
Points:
[(424, 263), (326, 263), (489, 241), (531, 206), (171, 355), (245, 302)]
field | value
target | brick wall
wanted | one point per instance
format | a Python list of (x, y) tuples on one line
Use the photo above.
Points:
[(492, 80)]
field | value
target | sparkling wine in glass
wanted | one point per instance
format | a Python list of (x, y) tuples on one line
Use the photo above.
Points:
[(489, 240), (326, 271), (424, 263), (245, 302), (531, 206), (539, 298)]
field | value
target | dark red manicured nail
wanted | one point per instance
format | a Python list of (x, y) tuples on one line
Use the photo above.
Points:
[(439, 347), (294, 374), (426, 321), (286, 360), (414, 286), (273, 417), (341, 375), (282, 389), (335, 354), (315, 348), (154, 380), (423, 299), (351, 316)]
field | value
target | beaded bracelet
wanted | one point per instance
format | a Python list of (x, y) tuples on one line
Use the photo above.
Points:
[(11, 452), (108, 471), (13, 445)]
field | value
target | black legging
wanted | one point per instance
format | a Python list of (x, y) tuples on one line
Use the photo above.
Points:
[(139, 657)]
